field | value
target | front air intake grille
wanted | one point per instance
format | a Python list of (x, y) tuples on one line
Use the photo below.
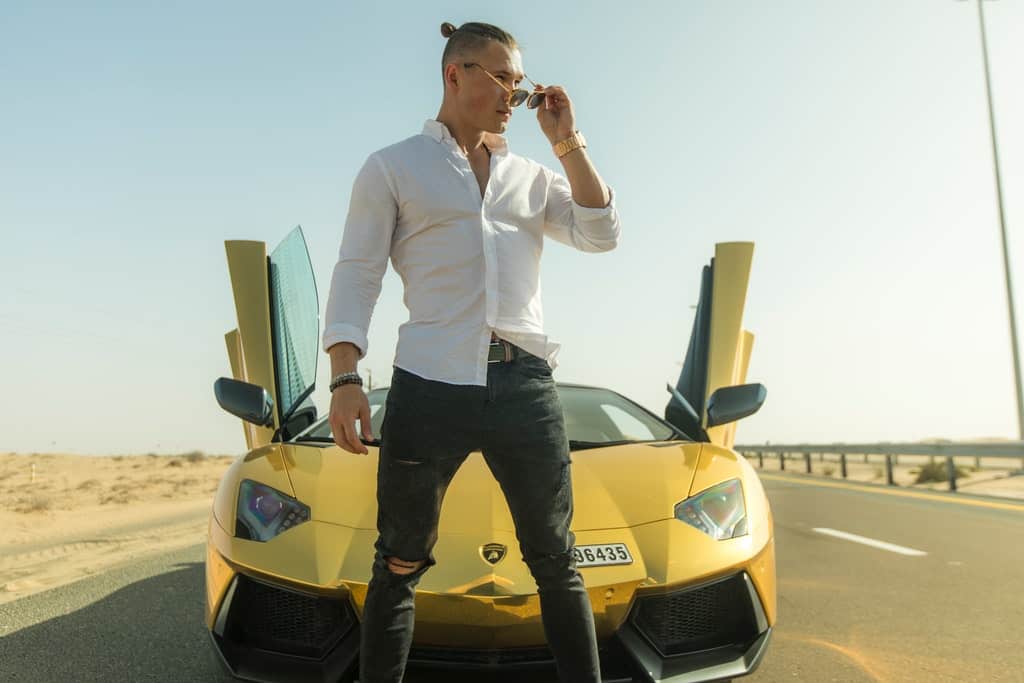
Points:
[(713, 615), (282, 620)]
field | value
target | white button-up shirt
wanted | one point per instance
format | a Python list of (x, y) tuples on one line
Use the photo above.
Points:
[(470, 265)]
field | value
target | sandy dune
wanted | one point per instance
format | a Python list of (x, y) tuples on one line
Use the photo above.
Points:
[(68, 516)]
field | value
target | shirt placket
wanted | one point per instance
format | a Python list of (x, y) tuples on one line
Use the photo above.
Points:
[(490, 248), (487, 235)]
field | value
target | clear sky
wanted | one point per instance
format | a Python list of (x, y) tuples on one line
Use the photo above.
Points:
[(849, 140)]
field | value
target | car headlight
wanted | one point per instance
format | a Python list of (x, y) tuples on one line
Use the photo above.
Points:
[(264, 512), (719, 511)]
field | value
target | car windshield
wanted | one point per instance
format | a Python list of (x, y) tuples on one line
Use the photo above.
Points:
[(594, 417)]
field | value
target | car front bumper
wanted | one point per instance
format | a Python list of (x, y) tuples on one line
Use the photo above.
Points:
[(707, 631)]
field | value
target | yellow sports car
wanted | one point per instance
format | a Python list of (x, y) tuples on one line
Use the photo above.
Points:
[(673, 528)]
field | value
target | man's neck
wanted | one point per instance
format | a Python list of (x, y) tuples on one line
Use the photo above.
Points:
[(469, 139)]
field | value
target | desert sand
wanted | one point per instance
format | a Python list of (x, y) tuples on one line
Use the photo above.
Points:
[(69, 516)]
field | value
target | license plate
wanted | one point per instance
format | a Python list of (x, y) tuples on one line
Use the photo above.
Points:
[(602, 555)]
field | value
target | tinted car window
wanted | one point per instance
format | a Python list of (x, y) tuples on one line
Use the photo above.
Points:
[(295, 316)]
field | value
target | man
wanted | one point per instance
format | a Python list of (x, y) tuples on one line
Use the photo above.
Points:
[(463, 220)]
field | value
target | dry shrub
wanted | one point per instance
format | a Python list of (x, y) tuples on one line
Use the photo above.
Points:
[(194, 456), (936, 471), (186, 482), (174, 463), (118, 497), (34, 503), (88, 484)]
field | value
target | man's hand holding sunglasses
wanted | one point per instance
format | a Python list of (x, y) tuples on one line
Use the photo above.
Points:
[(555, 113)]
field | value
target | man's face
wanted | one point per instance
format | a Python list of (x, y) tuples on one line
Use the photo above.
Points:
[(481, 101)]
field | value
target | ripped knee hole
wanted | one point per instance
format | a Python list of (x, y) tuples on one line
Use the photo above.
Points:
[(398, 566)]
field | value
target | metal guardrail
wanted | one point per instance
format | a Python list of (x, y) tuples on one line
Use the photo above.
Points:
[(891, 452)]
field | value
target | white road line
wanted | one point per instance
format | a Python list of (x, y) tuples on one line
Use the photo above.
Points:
[(872, 542)]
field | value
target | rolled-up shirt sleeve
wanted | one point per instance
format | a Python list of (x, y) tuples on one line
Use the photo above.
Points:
[(584, 228), (362, 257)]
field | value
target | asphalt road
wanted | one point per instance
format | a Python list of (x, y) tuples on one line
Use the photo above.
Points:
[(847, 611)]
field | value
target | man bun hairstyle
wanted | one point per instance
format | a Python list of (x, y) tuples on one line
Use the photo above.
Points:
[(471, 37)]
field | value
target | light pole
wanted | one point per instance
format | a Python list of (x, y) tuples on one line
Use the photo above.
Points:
[(1002, 228)]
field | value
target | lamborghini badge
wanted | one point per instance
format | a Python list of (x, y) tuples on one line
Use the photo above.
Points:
[(493, 552)]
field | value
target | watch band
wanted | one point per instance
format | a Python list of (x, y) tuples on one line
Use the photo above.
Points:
[(574, 141), (346, 378)]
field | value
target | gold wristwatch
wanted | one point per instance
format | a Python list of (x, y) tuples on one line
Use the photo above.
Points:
[(574, 141)]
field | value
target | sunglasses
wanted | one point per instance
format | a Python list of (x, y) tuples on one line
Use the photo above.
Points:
[(515, 96)]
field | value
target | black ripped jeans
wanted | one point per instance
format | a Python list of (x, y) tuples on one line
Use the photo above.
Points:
[(429, 429)]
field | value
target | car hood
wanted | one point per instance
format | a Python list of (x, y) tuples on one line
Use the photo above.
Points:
[(613, 487)]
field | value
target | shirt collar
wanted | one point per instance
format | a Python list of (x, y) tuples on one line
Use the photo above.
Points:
[(439, 132)]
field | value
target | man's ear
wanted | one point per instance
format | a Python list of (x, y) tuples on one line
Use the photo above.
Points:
[(451, 75)]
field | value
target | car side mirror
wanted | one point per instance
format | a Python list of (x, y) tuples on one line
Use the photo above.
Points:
[(729, 404), (250, 402)]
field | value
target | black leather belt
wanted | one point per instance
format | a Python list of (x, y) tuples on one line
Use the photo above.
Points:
[(501, 351)]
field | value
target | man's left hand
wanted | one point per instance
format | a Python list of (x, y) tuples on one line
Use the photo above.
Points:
[(555, 115)]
